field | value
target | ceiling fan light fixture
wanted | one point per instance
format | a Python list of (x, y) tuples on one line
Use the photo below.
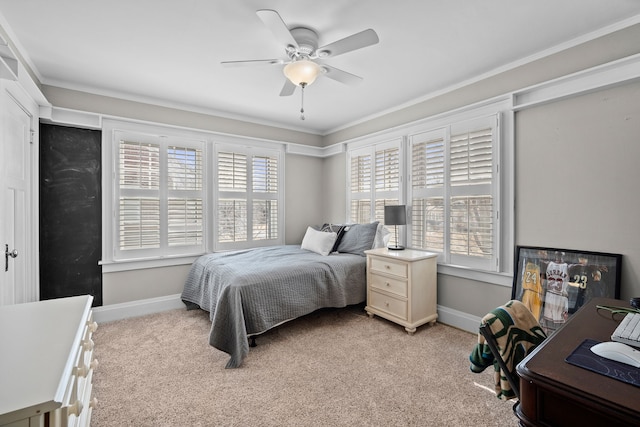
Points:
[(302, 71)]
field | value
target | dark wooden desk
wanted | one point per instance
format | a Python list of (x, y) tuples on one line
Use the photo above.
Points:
[(556, 393)]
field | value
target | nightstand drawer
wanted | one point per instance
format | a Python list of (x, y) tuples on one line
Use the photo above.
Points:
[(394, 286), (393, 306), (384, 265)]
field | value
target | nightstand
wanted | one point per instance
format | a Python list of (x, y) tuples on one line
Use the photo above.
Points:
[(401, 286)]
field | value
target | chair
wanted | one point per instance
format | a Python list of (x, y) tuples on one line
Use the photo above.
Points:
[(506, 335)]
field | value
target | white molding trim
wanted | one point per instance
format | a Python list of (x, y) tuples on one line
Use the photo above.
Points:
[(495, 278), (593, 35), (307, 150), (137, 308), (110, 313), (458, 319), (67, 116), (613, 73), (605, 75)]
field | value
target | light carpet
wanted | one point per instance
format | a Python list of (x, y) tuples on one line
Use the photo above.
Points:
[(332, 367)]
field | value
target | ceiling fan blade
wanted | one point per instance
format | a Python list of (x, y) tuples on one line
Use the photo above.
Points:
[(288, 88), (356, 41), (252, 62), (274, 22), (340, 76)]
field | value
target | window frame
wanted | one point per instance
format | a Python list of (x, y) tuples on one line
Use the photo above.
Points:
[(500, 272), (374, 195), (448, 191), (165, 140), (210, 141), (278, 197)]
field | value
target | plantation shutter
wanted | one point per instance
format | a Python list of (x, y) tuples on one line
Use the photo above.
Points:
[(427, 189), (185, 204), (454, 192), (387, 171), (265, 203), (232, 207), (360, 184), (139, 201), (375, 181), (160, 197), (387, 183), (471, 202), (248, 197)]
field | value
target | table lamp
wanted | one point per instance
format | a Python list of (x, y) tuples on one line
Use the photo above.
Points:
[(395, 215)]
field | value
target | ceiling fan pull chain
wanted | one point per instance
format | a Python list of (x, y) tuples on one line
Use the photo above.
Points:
[(302, 102)]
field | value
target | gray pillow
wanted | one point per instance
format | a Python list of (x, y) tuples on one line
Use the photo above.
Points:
[(358, 238), (339, 229)]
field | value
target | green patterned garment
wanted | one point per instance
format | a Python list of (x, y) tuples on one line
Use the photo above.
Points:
[(517, 333)]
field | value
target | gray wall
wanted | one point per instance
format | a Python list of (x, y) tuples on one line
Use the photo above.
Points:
[(586, 125), (82, 101), (303, 187), (576, 187), (590, 54), (334, 195), (578, 175), (594, 139)]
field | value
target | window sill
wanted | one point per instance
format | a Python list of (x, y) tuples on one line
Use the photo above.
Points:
[(140, 264), (502, 279)]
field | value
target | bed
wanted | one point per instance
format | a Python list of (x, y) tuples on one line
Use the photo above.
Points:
[(248, 292)]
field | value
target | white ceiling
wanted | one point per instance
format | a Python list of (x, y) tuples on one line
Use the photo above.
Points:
[(168, 52)]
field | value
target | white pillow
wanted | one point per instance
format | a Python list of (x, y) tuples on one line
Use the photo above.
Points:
[(320, 242), (382, 237)]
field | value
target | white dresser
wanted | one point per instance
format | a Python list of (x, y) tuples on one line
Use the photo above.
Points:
[(402, 287), (46, 363)]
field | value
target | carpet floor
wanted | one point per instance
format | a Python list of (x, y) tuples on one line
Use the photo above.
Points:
[(331, 367)]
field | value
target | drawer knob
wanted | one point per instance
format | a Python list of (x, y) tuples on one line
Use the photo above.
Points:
[(387, 266), (388, 284), (386, 303), (82, 371), (74, 409)]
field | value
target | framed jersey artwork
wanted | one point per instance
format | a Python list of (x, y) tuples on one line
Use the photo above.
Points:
[(554, 283)]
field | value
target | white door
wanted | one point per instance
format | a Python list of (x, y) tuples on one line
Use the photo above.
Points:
[(17, 239)]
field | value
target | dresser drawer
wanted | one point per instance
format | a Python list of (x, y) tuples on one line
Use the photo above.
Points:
[(388, 304), (387, 266), (77, 404), (394, 286), (401, 286), (48, 369)]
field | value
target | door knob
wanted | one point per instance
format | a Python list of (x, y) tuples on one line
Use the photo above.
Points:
[(7, 254)]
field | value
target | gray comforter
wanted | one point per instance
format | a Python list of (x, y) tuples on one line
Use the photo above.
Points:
[(248, 292)]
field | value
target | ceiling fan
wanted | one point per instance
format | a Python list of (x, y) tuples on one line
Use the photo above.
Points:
[(301, 47)]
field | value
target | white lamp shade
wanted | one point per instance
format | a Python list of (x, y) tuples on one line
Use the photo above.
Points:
[(302, 71)]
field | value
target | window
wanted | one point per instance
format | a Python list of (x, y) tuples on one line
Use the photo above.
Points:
[(173, 194), (375, 174), (454, 192), (159, 196), (248, 197)]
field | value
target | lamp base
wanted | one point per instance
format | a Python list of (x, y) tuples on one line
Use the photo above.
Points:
[(395, 248)]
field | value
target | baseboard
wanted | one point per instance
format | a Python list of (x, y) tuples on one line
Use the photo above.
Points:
[(109, 313), (458, 319), (125, 310)]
